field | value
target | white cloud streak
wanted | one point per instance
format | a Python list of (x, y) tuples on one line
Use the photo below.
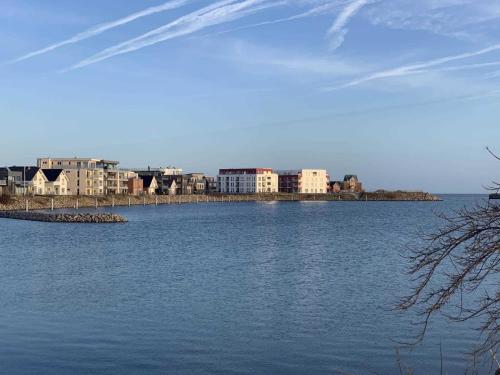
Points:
[(214, 14), (99, 29), (316, 11), (338, 30), (416, 68)]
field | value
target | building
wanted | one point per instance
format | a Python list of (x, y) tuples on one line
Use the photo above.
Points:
[(135, 186), (9, 181), (28, 180), (303, 181), (89, 176), (352, 184), (57, 182), (247, 181), (195, 183), (116, 181), (335, 186), (86, 175), (211, 185), (167, 178), (150, 185)]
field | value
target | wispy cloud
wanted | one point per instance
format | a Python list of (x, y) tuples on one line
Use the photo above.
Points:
[(461, 19), (316, 11), (214, 14), (99, 29), (338, 30), (416, 68)]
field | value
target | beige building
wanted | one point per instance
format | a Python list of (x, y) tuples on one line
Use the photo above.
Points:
[(88, 176), (117, 180), (304, 181), (247, 181)]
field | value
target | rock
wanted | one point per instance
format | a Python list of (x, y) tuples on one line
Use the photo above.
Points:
[(63, 218)]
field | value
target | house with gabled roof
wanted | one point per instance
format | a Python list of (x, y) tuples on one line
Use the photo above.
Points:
[(57, 182), (29, 180), (150, 184)]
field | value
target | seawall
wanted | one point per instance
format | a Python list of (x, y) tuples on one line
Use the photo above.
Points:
[(19, 203), (63, 218)]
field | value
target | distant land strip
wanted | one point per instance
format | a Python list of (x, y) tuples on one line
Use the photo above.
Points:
[(20, 203)]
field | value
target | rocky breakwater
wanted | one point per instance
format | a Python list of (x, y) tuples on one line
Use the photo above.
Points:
[(63, 217)]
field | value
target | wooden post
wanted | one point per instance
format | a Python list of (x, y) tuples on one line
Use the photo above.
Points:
[(27, 206), (76, 203), (96, 204), (144, 201), (156, 200), (113, 202), (52, 204), (129, 202)]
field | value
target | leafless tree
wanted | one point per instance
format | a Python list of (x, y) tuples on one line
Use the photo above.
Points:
[(457, 272)]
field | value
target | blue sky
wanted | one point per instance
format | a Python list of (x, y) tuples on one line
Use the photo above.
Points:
[(404, 93)]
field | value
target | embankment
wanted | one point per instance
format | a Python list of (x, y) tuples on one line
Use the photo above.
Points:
[(18, 203)]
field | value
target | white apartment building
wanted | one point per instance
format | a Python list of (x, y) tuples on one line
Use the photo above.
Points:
[(303, 181), (247, 181)]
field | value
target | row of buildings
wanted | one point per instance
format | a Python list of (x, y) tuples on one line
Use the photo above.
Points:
[(93, 177)]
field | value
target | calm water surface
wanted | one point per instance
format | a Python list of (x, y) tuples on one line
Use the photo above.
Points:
[(234, 288)]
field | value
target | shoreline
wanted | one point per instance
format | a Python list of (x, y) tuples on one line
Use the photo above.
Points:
[(19, 203)]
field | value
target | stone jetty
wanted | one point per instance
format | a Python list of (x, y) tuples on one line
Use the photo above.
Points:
[(63, 218)]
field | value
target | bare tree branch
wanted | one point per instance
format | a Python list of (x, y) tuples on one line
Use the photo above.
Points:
[(492, 153), (457, 273)]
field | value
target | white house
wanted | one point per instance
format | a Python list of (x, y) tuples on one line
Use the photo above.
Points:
[(57, 182)]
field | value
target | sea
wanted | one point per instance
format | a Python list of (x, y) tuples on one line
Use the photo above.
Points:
[(225, 288)]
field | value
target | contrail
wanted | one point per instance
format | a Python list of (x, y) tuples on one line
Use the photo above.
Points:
[(338, 30), (217, 13), (99, 29), (316, 11), (415, 68)]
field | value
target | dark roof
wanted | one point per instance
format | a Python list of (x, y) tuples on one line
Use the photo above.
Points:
[(147, 180), (349, 176), (30, 171), (52, 174)]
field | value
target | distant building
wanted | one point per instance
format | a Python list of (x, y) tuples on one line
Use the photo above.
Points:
[(167, 178), (135, 186), (86, 175), (150, 185), (28, 180), (89, 176), (211, 185), (116, 181), (352, 184), (57, 182), (184, 184), (303, 181), (9, 181), (335, 186), (247, 181)]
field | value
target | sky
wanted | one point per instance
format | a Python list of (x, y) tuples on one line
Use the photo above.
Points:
[(403, 93)]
